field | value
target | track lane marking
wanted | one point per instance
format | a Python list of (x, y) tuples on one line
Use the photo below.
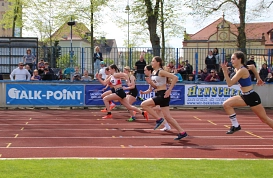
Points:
[(250, 133), (212, 122), (196, 118), (22, 128), (16, 135), (8, 145)]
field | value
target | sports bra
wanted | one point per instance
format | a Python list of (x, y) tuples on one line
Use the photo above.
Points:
[(245, 82), (114, 81), (158, 81)]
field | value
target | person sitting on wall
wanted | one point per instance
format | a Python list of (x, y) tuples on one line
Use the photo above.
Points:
[(85, 77), (20, 73), (191, 77), (269, 78), (178, 75), (77, 75), (212, 77), (36, 76), (204, 74)]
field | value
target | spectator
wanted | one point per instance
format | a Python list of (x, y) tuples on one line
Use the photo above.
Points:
[(191, 77), (77, 75), (20, 73), (264, 72), (269, 78), (29, 69), (210, 61), (188, 67), (41, 64), (102, 70), (29, 59), (97, 59), (217, 58), (178, 75), (85, 77), (204, 74), (67, 72), (212, 77), (46, 75), (171, 67), (139, 67), (182, 70), (251, 62), (36, 76)]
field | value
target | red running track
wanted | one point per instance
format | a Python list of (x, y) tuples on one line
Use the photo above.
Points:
[(83, 134)]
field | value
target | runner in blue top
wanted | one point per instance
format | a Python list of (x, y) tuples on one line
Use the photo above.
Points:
[(248, 97)]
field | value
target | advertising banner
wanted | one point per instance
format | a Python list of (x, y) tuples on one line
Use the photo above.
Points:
[(46, 95), (209, 94), (93, 94)]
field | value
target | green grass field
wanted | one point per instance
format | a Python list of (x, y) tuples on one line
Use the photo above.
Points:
[(135, 168)]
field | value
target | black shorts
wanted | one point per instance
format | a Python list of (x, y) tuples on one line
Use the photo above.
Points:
[(113, 90), (160, 100), (133, 92), (121, 93), (251, 98)]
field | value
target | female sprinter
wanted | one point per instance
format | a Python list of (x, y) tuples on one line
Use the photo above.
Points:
[(148, 73), (159, 81), (248, 96), (133, 92), (119, 94), (112, 90)]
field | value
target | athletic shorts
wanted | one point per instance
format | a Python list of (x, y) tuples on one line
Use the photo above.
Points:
[(160, 100), (113, 90), (133, 92), (121, 93), (251, 98)]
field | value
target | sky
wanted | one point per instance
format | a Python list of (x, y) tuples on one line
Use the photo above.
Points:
[(192, 26)]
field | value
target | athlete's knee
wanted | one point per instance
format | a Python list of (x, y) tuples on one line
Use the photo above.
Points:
[(226, 105)]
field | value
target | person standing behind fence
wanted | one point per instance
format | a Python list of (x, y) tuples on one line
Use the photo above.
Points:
[(29, 59), (97, 59), (139, 67), (20, 73), (210, 61), (217, 58)]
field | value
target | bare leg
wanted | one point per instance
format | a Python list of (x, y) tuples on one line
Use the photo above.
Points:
[(260, 112), (170, 119), (148, 105)]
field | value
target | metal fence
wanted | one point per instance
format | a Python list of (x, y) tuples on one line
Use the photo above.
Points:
[(122, 57)]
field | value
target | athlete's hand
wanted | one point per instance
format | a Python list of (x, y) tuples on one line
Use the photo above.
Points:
[(97, 75), (104, 89), (141, 92), (260, 82), (224, 66), (167, 93), (124, 88)]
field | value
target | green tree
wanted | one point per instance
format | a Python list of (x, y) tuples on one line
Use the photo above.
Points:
[(12, 19)]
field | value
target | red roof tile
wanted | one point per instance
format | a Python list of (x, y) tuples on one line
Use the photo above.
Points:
[(253, 30)]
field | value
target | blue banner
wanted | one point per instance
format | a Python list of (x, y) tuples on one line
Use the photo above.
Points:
[(46, 95), (93, 94)]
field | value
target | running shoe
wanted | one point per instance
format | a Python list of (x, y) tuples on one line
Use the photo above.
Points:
[(131, 119), (166, 128), (108, 116), (158, 123), (233, 129), (181, 135), (104, 110), (146, 115), (112, 106)]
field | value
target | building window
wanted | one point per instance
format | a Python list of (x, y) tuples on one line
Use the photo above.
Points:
[(3, 4), (271, 36)]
